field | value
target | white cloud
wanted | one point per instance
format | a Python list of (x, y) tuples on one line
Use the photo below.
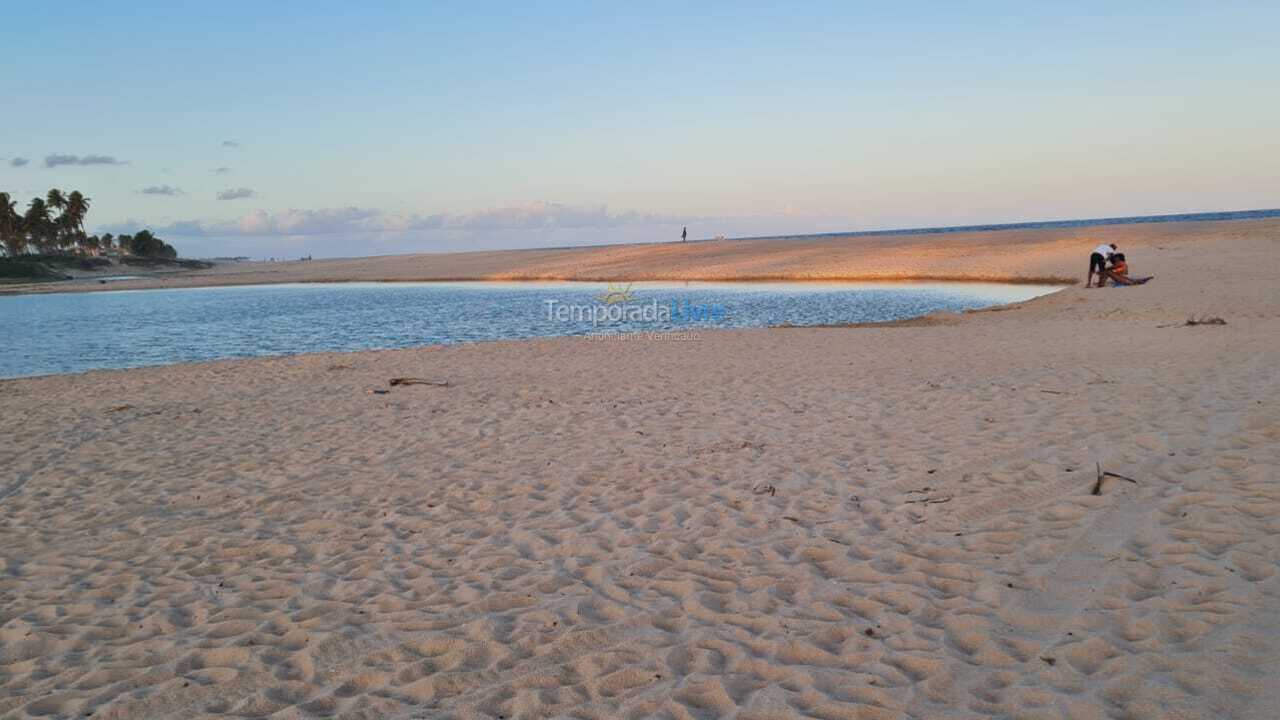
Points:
[(160, 190), (57, 159)]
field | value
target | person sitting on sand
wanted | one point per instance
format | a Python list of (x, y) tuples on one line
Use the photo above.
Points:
[(1098, 264), (1118, 273)]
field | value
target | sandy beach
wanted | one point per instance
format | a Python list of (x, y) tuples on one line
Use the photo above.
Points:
[(830, 523), (1049, 256)]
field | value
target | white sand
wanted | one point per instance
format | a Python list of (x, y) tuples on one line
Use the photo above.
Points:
[(583, 529)]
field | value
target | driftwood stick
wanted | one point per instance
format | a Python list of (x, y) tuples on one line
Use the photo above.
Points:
[(1102, 474), (930, 501), (417, 381), (1192, 322)]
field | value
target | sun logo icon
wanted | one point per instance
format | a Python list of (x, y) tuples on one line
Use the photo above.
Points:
[(615, 294)]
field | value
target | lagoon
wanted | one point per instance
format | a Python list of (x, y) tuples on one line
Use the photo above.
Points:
[(74, 332)]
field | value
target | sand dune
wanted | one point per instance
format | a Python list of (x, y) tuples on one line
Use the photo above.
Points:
[(823, 523)]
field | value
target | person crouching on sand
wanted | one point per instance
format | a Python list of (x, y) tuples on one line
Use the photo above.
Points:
[(1118, 273), (1098, 264)]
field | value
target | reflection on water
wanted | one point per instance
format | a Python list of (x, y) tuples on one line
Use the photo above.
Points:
[(72, 332)]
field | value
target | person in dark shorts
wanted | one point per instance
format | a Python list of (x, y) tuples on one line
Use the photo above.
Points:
[(1098, 263)]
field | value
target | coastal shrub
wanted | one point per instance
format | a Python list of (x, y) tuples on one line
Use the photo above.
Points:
[(68, 261), (153, 262), (144, 244), (22, 269)]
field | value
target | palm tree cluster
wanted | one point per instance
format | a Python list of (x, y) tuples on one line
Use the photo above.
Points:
[(54, 224)]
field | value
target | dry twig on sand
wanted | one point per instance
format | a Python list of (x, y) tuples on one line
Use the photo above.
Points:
[(1193, 322), (417, 381), (1097, 486), (931, 501)]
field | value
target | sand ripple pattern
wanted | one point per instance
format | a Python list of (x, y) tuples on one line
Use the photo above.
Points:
[(761, 524)]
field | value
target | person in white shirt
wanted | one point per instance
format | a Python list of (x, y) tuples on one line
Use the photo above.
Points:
[(1098, 263)]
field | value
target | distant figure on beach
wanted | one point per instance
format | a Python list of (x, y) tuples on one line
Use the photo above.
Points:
[(1098, 263), (684, 235)]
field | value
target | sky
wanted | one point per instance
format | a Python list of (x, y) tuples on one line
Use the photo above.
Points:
[(286, 129)]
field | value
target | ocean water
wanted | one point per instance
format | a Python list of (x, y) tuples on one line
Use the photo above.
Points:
[(73, 332), (1039, 224)]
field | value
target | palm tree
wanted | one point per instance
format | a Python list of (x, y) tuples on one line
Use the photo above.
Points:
[(108, 241), (75, 212), (39, 226), (11, 227), (57, 200), (62, 233)]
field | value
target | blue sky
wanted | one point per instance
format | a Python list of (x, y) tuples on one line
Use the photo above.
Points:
[(335, 129)]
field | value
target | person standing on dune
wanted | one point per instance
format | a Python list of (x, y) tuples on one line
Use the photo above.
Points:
[(684, 235)]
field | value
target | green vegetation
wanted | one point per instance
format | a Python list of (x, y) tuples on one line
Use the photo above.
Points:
[(27, 269), (137, 261), (53, 226)]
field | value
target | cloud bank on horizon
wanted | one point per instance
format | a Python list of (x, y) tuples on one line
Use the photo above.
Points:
[(352, 231), (364, 230), (349, 220)]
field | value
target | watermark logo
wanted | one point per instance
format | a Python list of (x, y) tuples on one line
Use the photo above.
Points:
[(619, 305), (649, 336), (616, 294)]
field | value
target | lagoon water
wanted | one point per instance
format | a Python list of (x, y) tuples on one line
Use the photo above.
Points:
[(74, 332)]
